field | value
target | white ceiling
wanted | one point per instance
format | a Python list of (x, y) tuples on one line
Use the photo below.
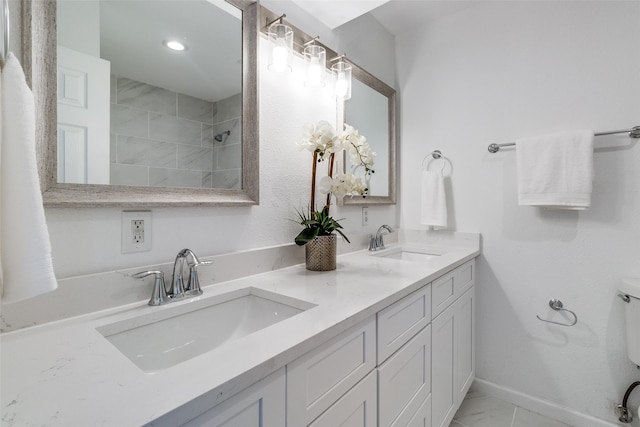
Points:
[(396, 16), (334, 13)]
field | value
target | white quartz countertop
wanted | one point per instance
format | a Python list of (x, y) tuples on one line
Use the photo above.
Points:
[(66, 373)]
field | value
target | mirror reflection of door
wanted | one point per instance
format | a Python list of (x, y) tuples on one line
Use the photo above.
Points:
[(83, 118), (368, 111), (173, 118)]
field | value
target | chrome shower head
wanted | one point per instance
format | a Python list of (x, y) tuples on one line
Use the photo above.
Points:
[(218, 137)]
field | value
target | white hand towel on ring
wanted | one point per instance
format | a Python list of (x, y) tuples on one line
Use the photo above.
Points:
[(434, 199)]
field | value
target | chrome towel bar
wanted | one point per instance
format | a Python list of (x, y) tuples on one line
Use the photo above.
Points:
[(5, 30), (634, 132)]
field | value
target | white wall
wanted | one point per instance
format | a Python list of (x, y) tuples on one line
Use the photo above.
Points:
[(503, 70), (79, 26), (88, 240)]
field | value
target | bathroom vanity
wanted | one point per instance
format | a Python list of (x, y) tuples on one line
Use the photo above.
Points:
[(387, 339)]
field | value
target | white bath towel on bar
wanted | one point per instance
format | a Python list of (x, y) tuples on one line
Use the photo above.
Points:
[(25, 250), (556, 171), (434, 200)]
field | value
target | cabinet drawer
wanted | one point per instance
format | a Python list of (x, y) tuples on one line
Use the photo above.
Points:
[(446, 289), (318, 379), (404, 381), (402, 320), (357, 408), (465, 277)]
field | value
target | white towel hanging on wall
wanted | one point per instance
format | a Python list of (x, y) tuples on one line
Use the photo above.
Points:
[(25, 249), (433, 207), (556, 171)]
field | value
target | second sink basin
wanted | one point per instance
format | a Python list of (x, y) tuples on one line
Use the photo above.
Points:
[(413, 253), (159, 340)]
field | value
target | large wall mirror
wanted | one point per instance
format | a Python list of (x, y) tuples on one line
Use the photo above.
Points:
[(372, 110), (133, 122)]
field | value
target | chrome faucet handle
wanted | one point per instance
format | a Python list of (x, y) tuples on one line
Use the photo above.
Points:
[(159, 294), (373, 243), (193, 286)]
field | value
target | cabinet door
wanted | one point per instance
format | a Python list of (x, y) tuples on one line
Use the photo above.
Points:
[(453, 366), (261, 405), (443, 400), (404, 381), (316, 380), (357, 408), (464, 340), (422, 417)]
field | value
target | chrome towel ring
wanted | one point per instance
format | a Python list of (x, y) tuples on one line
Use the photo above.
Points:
[(437, 155), (556, 304)]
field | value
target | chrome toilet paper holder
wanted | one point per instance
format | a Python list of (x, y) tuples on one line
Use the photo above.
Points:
[(557, 305)]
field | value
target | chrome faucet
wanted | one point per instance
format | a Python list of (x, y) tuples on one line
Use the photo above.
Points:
[(178, 290), (377, 242), (192, 287)]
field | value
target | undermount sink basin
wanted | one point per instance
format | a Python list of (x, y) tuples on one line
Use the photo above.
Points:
[(409, 253), (162, 339)]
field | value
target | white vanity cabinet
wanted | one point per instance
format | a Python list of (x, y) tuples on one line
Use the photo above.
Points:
[(409, 365), (453, 354)]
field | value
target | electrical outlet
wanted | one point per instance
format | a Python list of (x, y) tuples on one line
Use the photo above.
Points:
[(136, 231), (365, 215)]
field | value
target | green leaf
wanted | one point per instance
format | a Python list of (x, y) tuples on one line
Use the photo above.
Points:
[(306, 235), (343, 236)]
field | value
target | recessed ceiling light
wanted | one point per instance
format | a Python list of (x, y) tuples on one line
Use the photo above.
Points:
[(174, 45)]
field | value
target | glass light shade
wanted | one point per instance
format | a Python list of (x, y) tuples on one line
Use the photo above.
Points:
[(281, 36), (315, 62), (342, 76)]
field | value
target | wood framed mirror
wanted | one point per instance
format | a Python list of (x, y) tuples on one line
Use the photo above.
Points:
[(40, 36), (372, 110)]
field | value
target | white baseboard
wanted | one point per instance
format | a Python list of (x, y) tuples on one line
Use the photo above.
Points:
[(544, 407)]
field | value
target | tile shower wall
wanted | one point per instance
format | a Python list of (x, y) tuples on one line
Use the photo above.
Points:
[(164, 138)]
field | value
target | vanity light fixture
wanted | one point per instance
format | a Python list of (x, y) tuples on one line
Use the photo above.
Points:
[(315, 62), (282, 37), (175, 45), (341, 72)]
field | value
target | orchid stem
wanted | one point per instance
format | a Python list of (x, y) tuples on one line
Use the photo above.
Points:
[(331, 159), (313, 185)]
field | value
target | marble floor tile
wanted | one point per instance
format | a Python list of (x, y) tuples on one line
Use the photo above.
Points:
[(479, 410), (525, 418)]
